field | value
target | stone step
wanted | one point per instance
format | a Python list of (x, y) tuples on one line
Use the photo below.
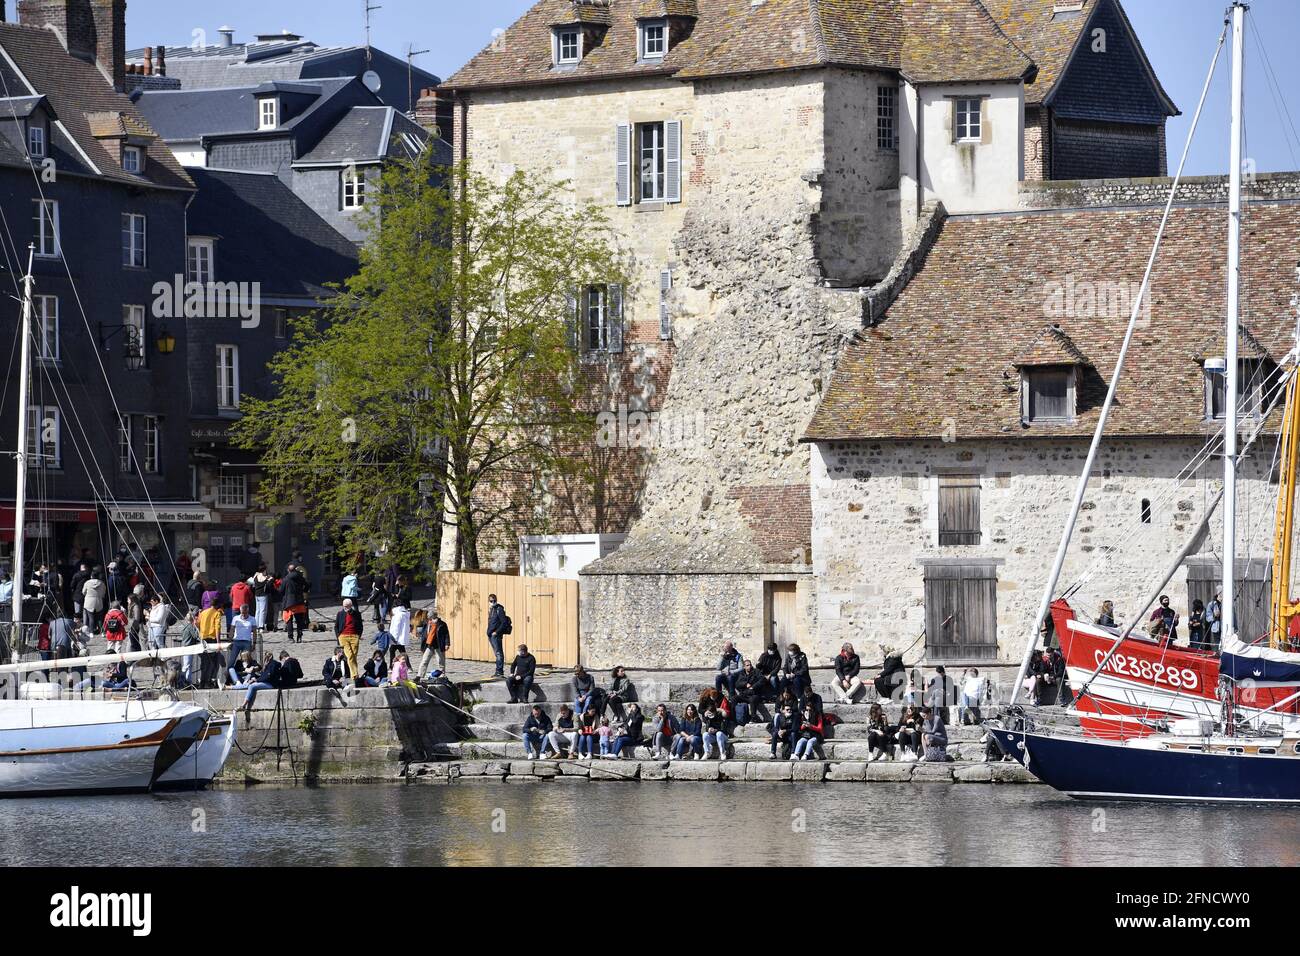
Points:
[(501, 712), (852, 750), (755, 731)]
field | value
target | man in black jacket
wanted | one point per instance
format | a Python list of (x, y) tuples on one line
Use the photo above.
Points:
[(290, 671), (520, 681), (295, 600), (536, 727), (750, 691), (496, 631), (335, 670), (847, 684)]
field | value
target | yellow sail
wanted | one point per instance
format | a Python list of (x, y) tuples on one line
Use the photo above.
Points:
[(1283, 607)]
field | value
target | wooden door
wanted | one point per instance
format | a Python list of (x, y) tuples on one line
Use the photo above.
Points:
[(781, 614), (541, 626)]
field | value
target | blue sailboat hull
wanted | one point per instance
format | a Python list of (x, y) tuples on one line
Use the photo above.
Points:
[(1107, 770)]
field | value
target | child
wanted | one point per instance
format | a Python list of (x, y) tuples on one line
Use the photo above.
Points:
[(400, 673), (384, 643), (604, 733)]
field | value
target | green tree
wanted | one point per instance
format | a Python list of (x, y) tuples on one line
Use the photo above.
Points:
[(440, 386)]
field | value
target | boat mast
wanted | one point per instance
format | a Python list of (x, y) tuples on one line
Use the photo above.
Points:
[(20, 457), (1234, 287)]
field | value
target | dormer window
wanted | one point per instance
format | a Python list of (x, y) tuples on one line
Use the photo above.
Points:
[(1255, 380), (568, 45), (1047, 393), (36, 141), (133, 159), (654, 39), (268, 113)]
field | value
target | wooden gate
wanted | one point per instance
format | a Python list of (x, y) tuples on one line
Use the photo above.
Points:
[(543, 612)]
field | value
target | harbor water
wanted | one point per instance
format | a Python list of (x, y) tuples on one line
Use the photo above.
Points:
[(651, 823)]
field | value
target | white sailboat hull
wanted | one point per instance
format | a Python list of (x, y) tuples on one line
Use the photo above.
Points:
[(66, 747), (203, 761)]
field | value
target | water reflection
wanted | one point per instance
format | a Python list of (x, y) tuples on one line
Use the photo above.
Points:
[(652, 823)]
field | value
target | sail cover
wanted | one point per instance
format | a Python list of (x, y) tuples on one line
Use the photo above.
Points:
[(1259, 663)]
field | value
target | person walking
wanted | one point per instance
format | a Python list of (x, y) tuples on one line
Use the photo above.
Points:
[(210, 621), (400, 613), (498, 626), (296, 592), (159, 616), (436, 643), (348, 627), (349, 589), (94, 601), (135, 617), (261, 583)]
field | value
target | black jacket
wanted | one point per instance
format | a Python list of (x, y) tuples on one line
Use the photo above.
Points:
[(290, 672), (335, 670), (341, 618), (749, 685), (524, 665), (496, 621), (376, 669), (539, 725), (769, 662), (270, 673), (296, 589), (846, 668)]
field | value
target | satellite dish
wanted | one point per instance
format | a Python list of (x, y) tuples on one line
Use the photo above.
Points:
[(371, 79)]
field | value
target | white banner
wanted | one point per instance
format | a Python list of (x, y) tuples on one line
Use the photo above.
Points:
[(165, 513)]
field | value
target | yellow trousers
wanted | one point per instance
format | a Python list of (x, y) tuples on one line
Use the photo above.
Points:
[(350, 643)]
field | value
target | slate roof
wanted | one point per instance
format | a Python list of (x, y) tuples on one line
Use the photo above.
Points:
[(1051, 40), (266, 234), (76, 90), (945, 354), (369, 132), (21, 107), (928, 41), (189, 115)]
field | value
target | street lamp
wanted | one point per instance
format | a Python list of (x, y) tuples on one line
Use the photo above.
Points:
[(166, 342)]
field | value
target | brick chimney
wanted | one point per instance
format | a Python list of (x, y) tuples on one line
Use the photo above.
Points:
[(93, 30), (434, 112)]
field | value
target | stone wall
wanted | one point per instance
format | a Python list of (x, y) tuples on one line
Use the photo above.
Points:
[(366, 735), (1069, 194), (875, 521)]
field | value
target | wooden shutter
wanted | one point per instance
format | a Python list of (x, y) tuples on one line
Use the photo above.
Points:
[(959, 509), (665, 317), (571, 319), (623, 164), (673, 161), (961, 611), (614, 319)]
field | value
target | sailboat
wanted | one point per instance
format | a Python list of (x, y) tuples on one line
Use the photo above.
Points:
[(55, 746), (1156, 722)]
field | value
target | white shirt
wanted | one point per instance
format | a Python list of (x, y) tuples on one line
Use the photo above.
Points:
[(243, 628)]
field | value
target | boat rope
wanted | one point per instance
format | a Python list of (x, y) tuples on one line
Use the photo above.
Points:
[(283, 740)]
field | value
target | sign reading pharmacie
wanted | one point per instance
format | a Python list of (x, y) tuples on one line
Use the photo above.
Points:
[(162, 511)]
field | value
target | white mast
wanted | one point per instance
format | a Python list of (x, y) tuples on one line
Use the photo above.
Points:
[(20, 483), (1234, 284)]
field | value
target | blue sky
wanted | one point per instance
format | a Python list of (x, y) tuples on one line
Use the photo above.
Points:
[(1178, 35)]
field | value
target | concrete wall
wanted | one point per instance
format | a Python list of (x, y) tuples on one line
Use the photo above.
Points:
[(875, 518)]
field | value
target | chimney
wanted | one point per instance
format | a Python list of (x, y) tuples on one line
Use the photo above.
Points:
[(93, 30), (148, 61), (162, 58), (227, 36), (433, 112)]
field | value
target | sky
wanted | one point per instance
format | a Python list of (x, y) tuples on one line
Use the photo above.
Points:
[(1178, 35)]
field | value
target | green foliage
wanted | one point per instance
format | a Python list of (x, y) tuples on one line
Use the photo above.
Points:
[(439, 385)]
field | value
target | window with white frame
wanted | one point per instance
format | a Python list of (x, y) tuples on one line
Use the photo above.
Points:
[(232, 490), (132, 159), (46, 232), (44, 445), (353, 184), (124, 443), (1048, 393), (268, 113), (151, 440), (36, 141), (568, 45), (651, 168), (200, 260), (228, 377), (654, 40), (46, 314), (887, 117), (966, 120), (133, 240), (134, 319)]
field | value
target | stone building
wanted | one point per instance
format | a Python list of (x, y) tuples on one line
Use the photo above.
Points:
[(946, 450), (777, 169)]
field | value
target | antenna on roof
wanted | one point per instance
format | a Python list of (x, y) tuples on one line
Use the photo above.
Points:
[(411, 54), (370, 8)]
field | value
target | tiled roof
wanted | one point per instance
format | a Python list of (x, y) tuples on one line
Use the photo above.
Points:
[(943, 359), (110, 124), (929, 41), (1050, 346), (268, 235), (77, 90)]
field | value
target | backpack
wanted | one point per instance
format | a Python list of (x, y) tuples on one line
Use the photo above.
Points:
[(113, 625), (506, 626)]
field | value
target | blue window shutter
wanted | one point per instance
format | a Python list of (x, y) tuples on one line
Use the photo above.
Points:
[(615, 318), (623, 162), (673, 161), (665, 318)]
